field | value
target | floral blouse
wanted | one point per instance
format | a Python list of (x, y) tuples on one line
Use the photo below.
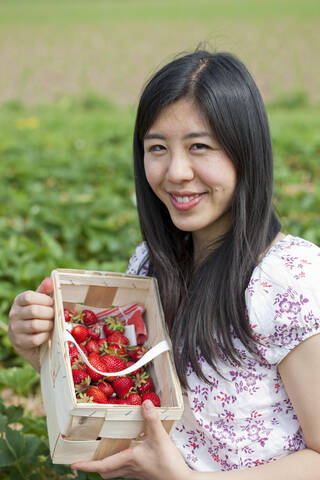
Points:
[(246, 418)]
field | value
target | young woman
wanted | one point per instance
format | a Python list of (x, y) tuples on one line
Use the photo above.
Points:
[(240, 298)]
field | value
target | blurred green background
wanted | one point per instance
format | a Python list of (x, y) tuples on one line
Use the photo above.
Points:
[(70, 78)]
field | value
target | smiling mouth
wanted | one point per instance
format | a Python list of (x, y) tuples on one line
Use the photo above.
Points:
[(185, 202)]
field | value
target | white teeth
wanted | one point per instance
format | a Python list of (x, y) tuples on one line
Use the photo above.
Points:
[(184, 199)]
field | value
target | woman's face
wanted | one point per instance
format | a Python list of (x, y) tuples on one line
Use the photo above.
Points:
[(189, 172)]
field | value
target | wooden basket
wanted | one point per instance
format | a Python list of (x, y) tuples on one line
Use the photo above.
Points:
[(86, 431)]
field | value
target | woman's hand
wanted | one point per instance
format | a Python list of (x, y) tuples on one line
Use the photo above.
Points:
[(31, 321), (156, 458)]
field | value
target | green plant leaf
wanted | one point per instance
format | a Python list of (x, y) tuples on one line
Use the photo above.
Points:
[(21, 380), (3, 422), (14, 413), (17, 442), (6, 455)]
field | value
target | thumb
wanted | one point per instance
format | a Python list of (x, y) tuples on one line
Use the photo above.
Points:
[(46, 286), (152, 420)]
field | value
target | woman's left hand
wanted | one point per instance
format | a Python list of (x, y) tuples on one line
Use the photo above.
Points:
[(155, 458)]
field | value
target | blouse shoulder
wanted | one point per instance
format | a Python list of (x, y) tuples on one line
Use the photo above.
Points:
[(139, 262), (282, 297)]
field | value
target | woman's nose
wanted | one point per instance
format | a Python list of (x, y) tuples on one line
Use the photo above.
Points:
[(180, 168)]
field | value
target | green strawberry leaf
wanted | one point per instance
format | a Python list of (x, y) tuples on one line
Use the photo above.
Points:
[(6, 455), (3, 422), (32, 445), (14, 413), (20, 379), (16, 442)]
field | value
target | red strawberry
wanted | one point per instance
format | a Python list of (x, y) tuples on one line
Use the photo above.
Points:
[(106, 388), (135, 353), (148, 386), (73, 351), (102, 341), (122, 386), (112, 325), (80, 333), (96, 361), (143, 382), (118, 338), (92, 346), (113, 363), (97, 395), (115, 349), (78, 364), (79, 375), (134, 399), (67, 314), (94, 332), (81, 380), (88, 317), (153, 397)]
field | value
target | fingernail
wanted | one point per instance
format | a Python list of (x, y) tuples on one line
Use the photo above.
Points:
[(148, 405)]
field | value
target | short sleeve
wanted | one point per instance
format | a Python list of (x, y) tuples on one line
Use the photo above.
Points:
[(283, 299), (139, 262)]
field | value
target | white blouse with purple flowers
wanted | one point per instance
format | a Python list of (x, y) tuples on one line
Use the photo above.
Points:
[(246, 418)]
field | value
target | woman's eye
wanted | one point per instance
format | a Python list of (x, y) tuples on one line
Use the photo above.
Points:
[(199, 146), (155, 148)]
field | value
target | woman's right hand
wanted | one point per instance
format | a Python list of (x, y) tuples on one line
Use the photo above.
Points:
[(31, 321)]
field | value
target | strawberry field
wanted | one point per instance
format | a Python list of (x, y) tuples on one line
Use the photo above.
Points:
[(67, 192)]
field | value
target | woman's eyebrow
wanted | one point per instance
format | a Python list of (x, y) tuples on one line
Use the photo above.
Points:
[(158, 136)]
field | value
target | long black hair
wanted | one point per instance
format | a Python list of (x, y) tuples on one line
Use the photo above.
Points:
[(205, 307)]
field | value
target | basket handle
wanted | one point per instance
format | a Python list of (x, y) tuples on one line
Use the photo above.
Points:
[(146, 358)]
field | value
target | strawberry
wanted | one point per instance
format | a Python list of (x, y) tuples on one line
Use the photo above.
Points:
[(134, 399), (80, 333), (94, 332), (143, 382), (122, 386), (96, 361), (68, 315), (112, 325), (135, 353), (92, 346), (113, 363), (115, 349), (73, 352), (78, 364), (118, 338), (88, 317), (105, 387), (79, 375), (97, 395), (102, 342), (153, 397), (81, 380)]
